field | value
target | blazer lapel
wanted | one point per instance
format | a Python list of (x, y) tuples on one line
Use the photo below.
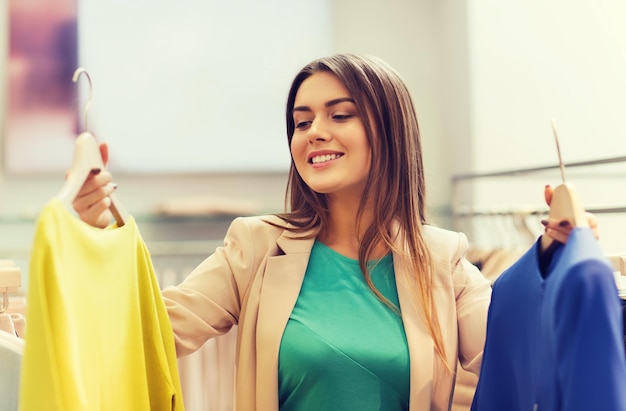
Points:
[(418, 337), (281, 285)]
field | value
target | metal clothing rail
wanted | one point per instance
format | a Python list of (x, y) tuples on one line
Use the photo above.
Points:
[(458, 211), (524, 171), (530, 212)]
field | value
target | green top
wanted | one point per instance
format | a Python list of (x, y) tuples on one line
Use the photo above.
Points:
[(343, 348)]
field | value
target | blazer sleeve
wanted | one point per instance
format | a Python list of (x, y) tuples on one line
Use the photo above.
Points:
[(208, 302), (473, 296)]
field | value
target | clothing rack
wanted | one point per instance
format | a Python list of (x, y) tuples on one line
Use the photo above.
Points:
[(503, 208), (460, 211)]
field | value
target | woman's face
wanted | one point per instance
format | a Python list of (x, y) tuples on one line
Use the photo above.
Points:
[(329, 144)]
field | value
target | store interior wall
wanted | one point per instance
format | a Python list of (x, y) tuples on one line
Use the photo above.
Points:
[(486, 78)]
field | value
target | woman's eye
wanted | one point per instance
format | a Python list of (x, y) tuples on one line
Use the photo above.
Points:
[(342, 116), (302, 124)]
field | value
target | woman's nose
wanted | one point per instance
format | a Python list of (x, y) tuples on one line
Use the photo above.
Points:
[(318, 131)]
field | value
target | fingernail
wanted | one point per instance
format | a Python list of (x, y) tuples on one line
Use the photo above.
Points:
[(564, 223), (544, 223), (95, 171), (114, 186)]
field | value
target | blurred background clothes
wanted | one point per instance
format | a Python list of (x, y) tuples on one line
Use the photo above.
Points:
[(11, 351), (13, 323)]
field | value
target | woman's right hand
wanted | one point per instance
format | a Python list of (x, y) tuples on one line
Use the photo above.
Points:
[(92, 201)]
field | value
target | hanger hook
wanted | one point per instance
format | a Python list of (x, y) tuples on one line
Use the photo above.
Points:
[(77, 74), (558, 150)]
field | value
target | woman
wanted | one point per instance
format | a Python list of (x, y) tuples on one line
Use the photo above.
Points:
[(349, 300)]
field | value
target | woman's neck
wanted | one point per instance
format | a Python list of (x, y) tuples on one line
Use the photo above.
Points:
[(345, 230)]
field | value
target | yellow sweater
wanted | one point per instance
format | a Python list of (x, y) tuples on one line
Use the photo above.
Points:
[(99, 337)]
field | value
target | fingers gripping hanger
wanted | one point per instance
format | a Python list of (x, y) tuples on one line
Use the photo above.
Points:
[(565, 204), (86, 158)]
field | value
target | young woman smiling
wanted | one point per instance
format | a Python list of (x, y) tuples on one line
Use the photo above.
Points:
[(349, 300)]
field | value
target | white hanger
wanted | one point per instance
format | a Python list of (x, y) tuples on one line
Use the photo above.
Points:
[(86, 158), (565, 204)]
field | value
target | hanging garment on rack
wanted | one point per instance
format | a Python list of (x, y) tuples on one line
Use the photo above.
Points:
[(99, 337), (13, 323), (493, 262), (11, 351), (555, 343)]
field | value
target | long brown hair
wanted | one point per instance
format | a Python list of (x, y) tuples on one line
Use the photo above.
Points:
[(395, 185)]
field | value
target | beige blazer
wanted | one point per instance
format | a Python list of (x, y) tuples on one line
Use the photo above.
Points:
[(254, 280)]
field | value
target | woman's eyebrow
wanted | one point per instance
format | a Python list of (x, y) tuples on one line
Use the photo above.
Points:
[(327, 104), (338, 100)]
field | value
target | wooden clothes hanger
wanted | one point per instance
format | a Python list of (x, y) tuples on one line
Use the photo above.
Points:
[(10, 281), (86, 158), (565, 204), (619, 264)]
